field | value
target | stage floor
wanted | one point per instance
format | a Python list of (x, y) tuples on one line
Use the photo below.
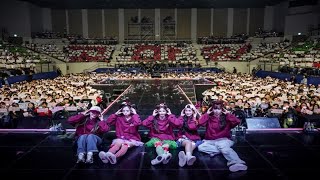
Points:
[(268, 155)]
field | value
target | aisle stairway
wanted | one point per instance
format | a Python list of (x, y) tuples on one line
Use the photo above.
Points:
[(190, 92)]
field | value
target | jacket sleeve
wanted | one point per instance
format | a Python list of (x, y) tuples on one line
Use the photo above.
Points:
[(103, 127), (192, 124), (49, 113), (233, 120), (136, 120), (203, 119), (148, 122), (176, 122), (180, 119), (73, 120), (111, 120)]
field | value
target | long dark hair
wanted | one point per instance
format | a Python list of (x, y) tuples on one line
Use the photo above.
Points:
[(185, 127), (222, 117), (155, 120)]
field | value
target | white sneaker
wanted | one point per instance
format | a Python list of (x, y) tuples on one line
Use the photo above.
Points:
[(80, 158), (182, 158), (157, 160), (103, 157), (89, 158), (238, 167), (191, 160), (167, 156), (111, 158)]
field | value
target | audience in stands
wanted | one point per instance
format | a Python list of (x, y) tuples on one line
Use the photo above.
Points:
[(182, 54), (15, 60), (239, 52), (264, 97), (89, 53), (300, 59)]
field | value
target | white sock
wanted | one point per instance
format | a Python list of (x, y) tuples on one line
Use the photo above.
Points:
[(89, 154), (188, 154), (80, 155)]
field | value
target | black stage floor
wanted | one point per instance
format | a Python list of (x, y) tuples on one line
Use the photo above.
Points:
[(268, 155)]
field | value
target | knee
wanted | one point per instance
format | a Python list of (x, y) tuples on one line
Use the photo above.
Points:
[(90, 136), (188, 143), (201, 147), (82, 137), (165, 145), (158, 143), (118, 144)]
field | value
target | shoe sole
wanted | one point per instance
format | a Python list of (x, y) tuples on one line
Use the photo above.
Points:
[(182, 158), (167, 159), (238, 167), (102, 156), (156, 161), (191, 161), (112, 158)]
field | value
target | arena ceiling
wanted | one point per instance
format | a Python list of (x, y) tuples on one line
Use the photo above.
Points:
[(100, 4)]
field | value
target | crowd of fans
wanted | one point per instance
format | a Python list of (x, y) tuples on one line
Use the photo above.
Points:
[(303, 58), (89, 53), (237, 39), (239, 52), (170, 51), (45, 97), (16, 60), (255, 97)]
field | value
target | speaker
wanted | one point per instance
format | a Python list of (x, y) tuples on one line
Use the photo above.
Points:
[(262, 123), (156, 75)]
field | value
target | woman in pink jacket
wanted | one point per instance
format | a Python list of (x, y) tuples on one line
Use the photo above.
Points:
[(218, 123), (89, 130), (188, 136), (126, 122), (161, 124)]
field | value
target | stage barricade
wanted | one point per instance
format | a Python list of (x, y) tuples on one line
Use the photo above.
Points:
[(46, 75), (15, 79), (105, 70), (34, 123), (182, 70)]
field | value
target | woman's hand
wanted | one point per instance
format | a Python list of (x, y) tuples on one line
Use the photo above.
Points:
[(133, 111), (85, 112), (155, 112), (194, 115), (169, 111), (182, 112), (225, 111), (209, 111), (119, 112)]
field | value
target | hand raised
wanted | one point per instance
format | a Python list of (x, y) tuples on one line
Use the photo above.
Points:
[(182, 112), (209, 111), (155, 112), (133, 111), (118, 112), (168, 111)]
